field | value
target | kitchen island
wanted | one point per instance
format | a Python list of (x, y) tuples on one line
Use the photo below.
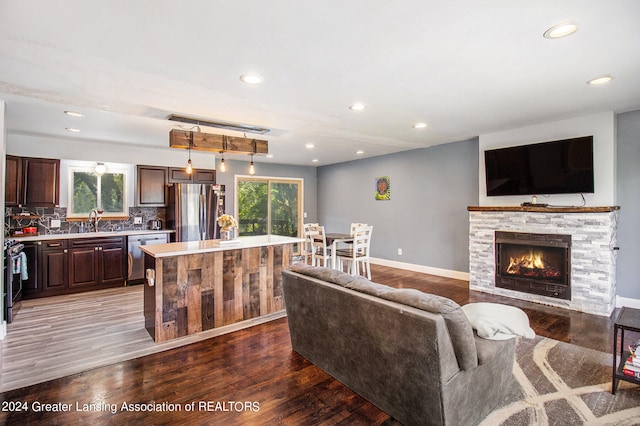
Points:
[(196, 286)]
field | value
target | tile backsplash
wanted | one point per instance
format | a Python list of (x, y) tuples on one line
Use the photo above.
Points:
[(16, 218)]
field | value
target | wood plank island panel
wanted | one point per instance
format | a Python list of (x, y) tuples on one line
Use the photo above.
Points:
[(195, 292)]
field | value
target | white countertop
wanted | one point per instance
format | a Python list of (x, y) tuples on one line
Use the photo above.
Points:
[(90, 235), (191, 247)]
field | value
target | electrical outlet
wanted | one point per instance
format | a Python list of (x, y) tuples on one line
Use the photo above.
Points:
[(137, 220), (305, 215), (55, 223), (399, 252)]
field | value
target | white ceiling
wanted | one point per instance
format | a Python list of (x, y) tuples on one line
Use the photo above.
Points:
[(465, 67)]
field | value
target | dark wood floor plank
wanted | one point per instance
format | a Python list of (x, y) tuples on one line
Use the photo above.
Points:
[(257, 367)]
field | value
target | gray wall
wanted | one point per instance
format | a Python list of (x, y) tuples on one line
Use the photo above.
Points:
[(235, 167), (628, 186), (427, 215)]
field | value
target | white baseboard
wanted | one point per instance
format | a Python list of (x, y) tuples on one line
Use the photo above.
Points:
[(627, 301), (422, 268)]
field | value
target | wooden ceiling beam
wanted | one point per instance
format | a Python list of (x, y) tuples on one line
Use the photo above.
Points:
[(217, 143)]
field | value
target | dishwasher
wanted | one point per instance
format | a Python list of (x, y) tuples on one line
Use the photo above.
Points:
[(136, 255)]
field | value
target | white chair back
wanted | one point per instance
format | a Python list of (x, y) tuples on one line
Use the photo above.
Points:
[(359, 251), (319, 250), (308, 240), (355, 225)]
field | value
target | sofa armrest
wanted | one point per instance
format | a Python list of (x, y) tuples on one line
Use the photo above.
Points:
[(489, 349)]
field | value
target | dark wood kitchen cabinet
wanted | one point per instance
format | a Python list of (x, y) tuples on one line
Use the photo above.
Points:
[(97, 262), (41, 182), (179, 175), (13, 181), (151, 186), (63, 266), (32, 286), (32, 182), (55, 265)]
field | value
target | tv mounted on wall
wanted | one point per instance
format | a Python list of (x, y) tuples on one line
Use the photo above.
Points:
[(556, 167)]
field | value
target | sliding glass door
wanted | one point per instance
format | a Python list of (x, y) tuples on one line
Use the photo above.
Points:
[(269, 206)]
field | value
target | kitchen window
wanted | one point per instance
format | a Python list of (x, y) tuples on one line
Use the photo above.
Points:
[(269, 206), (89, 190)]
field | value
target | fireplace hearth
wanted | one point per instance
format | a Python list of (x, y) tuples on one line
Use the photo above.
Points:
[(534, 263)]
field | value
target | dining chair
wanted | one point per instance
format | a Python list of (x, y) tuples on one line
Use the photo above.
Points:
[(358, 253), (355, 225), (307, 249), (320, 250)]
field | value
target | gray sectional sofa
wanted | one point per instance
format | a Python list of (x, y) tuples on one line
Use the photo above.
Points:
[(414, 355)]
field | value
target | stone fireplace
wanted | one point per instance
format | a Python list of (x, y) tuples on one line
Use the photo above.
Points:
[(534, 263), (564, 257)]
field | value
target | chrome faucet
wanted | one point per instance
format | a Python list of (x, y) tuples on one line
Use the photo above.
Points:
[(94, 217)]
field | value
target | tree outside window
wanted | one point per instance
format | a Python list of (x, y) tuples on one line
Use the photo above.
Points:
[(89, 190), (269, 206)]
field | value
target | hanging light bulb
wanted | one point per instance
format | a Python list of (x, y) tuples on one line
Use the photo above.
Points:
[(223, 167), (252, 169), (189, 168), (100, 168)]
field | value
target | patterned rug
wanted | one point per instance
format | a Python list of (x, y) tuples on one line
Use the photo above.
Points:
[(558, 383)]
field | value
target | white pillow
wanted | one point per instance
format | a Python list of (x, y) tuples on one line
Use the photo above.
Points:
[(494, 321)]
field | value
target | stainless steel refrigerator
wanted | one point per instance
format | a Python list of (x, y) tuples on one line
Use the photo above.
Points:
[(193, 210)]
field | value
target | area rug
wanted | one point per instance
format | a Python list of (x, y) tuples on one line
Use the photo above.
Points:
[(558, 383)]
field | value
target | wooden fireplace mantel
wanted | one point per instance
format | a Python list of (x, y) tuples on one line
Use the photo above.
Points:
[(537, 209)]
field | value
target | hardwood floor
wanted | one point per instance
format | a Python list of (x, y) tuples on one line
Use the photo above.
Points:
[(250, 376)]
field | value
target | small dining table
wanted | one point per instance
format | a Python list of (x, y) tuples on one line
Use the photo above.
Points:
[(333, 238)]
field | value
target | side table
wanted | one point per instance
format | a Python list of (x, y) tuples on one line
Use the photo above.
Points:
[(628, 320)]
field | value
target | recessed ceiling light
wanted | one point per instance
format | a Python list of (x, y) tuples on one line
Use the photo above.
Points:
[(357, 107), (72, 129), (561, 30), (315, 160), (74, 113), (419, 125), (269, 155), (251, 78), (359, 152), (309, 146), (600, 80)]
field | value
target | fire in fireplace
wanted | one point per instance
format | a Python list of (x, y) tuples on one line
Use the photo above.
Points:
[(534, 263)]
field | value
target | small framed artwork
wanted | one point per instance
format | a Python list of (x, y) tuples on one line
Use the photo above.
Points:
[(383, 188)]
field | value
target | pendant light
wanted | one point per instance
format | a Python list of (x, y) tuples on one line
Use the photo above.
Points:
[(100, 168), (189, 168), (223, 167), (252, 169)]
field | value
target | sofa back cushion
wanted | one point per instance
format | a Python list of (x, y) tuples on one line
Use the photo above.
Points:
[(325, 274), (459, 327)]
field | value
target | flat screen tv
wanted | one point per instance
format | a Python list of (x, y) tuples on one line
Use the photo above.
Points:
[(556, 167)]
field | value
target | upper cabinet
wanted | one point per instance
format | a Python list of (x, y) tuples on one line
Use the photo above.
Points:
[(179, 175), (32, 182), (41, 183), (151, 187), (13, 182)]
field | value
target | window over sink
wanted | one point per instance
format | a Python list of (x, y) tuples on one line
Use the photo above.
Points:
[(105, 191)]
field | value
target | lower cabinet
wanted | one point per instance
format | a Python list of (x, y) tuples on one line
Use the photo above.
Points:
[(32, 286), (97, 262), (55, 265), (75, 265)]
